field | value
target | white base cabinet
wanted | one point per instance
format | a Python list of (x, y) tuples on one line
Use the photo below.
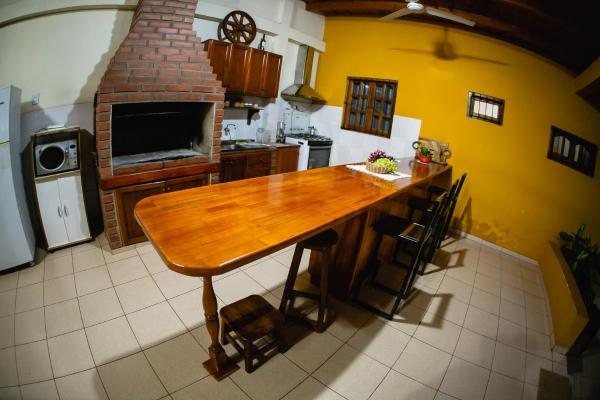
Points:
[(62, 209)]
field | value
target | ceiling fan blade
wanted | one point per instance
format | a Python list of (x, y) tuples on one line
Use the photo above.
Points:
[(452, 17), (396, 14)]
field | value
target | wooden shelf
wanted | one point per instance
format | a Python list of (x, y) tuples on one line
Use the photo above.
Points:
[(251, 111)]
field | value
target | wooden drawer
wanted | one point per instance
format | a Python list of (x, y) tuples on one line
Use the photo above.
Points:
[(258, 165), (187, 182)]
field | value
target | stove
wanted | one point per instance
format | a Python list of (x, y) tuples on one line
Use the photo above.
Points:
[(311, 139), (314, 149)]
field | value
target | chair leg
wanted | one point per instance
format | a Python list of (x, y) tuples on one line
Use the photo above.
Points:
[(248, 356), (324, 289), (373, 262), (291, 279), (224, 339)]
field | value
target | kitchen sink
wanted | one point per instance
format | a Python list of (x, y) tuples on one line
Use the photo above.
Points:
[(243, 146)]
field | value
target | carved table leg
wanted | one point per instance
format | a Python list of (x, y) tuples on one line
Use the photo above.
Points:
[(218, 365)]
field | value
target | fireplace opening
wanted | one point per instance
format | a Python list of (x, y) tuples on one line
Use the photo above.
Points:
[(155, 131)]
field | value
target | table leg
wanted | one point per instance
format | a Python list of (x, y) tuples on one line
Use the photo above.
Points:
[(218, 365)]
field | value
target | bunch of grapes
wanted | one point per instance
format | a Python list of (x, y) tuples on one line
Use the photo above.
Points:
[(378, 154)]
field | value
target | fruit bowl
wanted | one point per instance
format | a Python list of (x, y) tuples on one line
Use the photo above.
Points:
[(376, 168)]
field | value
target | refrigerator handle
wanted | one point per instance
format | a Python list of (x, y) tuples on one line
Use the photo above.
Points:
[(59, 211), (66, 211)]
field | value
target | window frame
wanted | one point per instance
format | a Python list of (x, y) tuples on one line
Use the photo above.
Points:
[(477, 99), (571, 141), (369, 108)]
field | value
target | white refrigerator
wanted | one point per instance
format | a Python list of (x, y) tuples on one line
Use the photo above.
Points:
[(17, 241)]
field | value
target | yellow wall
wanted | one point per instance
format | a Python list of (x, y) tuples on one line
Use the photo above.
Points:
[(514, 196)]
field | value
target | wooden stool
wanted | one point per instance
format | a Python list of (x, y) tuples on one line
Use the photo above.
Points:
[(321, 242), (251, 319)]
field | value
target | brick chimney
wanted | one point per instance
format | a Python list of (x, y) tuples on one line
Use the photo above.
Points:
[(161, 60)]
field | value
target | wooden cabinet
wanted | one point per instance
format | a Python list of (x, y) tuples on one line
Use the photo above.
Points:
[(244, 70), (287, 159), (245, 164), (62, 210), (127, 197)]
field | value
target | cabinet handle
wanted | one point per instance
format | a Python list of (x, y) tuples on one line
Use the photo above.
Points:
[(59, 211), (66, 211)]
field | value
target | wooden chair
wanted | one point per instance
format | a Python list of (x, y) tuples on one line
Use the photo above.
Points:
[(253, 327), (322, 242), (403, 231)]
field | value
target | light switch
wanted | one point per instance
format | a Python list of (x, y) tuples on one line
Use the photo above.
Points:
[(35, 99)]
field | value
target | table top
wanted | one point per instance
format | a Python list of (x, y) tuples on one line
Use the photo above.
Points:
[(213, 229)]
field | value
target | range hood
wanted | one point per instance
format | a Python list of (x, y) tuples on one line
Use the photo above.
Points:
[(301, 91)]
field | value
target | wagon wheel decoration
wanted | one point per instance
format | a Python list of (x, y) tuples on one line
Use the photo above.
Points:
[(239, 27)]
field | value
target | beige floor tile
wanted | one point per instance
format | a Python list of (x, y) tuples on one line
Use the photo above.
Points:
[(152, 261), (10, 393), (379, 341), (485, 301), (259, 384), (92, 280), (87, 259), (138, 294), (560, 369), (538, 344), (131, 378), (127, 270), (443, 396), (421, 296), (509, 361), (458, 289), (83, 385), (423, 363), (9, 281), (512, 294), (99, 307), (70, 353), (512, 280), (123, 253), (57, 267), (209, 389), (80, 248), (531, 275), (189, 308), (59, 289), (7, 302), (449, 308), (285, 259), (40, 391), (58, 253), (558, 357), (465, 380), (512, 312), (8, 365), (312, 389), (156, 324), (533, 364), (407, 319), (475, 348), (501, 387), (63, 317), (29, 297), (533, 288), (464, 274), (530, 392), (396, 386), (482, 322), (489, 255), (348, 318), (512, 334), (173, 284), (30, 326), (487, 284), (538, 322), (31, 275), (178, 362), (33, 362), (313, 350), (111, 340), (438, 332), (269, 273), (236, 287), (7, 331), (489, 270)]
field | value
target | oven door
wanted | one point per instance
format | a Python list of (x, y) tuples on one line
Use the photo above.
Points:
[(318, 156)]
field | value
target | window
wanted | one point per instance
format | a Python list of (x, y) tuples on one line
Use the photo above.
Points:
[(486, 108), (369, 106), (572, 151)]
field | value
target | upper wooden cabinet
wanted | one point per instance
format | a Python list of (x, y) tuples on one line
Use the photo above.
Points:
[(244, 70)]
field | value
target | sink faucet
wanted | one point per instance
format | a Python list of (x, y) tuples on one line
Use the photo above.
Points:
[(227, 130)]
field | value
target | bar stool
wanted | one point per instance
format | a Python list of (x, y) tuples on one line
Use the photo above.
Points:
[(258, 328), (403, 231), (322, 242)]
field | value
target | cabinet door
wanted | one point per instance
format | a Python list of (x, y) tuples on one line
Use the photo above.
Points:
[(218, 52), (259, 164), (188, 182), (270, 86), (74, 215), (127, 198), (52, 213), (287, 159), (235, 71), (233, 168), (255, 73)]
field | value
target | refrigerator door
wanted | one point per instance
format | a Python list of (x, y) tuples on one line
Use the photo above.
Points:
[(4, 115)]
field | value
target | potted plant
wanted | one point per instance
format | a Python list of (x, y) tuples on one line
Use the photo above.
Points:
[(380, 163), (424, 154), (583, 257)]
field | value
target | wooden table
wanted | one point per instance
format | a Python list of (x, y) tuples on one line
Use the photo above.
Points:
[(211, 230)]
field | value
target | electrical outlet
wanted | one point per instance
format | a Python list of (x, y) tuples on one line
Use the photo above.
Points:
[(35, 99)]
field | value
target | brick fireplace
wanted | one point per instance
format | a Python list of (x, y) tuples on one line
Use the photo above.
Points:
[(160, 76)]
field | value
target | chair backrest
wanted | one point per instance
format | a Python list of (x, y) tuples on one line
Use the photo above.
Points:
[(432, 218), (448, 217)]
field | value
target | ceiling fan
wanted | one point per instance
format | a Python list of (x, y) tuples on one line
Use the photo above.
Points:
[(414, 7)]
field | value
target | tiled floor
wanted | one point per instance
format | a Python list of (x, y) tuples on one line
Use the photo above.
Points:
[(89, 324)]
